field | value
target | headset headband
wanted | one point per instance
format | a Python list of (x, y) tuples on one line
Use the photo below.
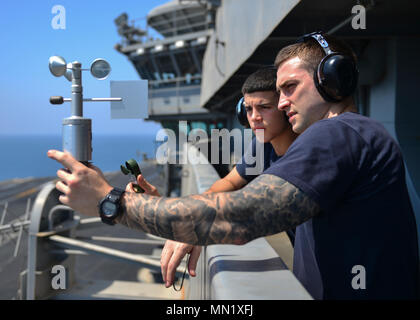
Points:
[(319, 38)]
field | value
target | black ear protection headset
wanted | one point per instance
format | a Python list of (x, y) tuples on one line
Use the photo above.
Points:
[(336, 75), (241, 113)]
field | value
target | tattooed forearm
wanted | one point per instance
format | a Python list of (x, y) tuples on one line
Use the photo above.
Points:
[(265, 206)]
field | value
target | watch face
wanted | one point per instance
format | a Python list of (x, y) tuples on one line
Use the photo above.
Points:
[(109, 209)]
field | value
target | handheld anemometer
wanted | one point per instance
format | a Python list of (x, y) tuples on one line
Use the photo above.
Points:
[(132, 167)]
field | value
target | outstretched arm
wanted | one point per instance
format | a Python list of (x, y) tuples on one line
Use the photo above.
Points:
[(231, 182), (266, 206)]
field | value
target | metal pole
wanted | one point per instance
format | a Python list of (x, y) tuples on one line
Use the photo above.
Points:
[(4, 213), (46, 198), (2, 218), (125, 240), (77, 131), (103, 99), (14, 226), (95, 99), (121, 255), (77, 90), (28, 205)]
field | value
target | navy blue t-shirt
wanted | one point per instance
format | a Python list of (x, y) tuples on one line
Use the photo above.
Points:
[(366, 231), (270, 156)]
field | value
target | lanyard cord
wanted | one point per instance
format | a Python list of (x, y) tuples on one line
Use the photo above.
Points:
[(183, 276)]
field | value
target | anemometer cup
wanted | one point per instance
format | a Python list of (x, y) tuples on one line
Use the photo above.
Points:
[(132, 167)]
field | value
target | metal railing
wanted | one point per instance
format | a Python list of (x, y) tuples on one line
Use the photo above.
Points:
[(231, 272)]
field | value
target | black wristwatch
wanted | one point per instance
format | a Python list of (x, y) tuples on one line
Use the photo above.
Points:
[(110, 206)]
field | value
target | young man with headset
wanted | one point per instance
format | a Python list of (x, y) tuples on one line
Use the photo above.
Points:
[(257, 109), (341, 183)]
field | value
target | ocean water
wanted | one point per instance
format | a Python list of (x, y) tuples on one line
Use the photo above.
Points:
[(26, 156)]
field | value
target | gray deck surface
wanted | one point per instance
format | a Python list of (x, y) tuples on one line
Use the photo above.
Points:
[(17, 192)]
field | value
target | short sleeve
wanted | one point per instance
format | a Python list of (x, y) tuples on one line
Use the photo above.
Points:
[(322, 161), (242, 165)]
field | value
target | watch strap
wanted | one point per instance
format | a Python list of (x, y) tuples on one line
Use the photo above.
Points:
[(115, 197), (115, 194)]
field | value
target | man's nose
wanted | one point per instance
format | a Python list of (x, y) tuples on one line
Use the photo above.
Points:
[(283, 104), (255, 116)]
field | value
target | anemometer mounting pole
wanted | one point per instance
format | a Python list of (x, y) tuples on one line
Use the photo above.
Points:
[(77, 131), (76, 90)]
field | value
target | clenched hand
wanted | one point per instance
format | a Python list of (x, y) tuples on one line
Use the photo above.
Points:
[(82, 187)]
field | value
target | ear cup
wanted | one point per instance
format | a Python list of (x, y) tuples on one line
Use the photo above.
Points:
[(336, 77), (321, 90), (241, 113)]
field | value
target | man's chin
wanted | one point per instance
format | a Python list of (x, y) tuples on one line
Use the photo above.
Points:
[(297, 128)]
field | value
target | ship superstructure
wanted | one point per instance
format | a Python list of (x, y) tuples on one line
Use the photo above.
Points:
[(172, 60)]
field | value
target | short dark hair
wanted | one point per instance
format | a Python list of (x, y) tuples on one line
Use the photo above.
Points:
[(311, 53), (262, 80)]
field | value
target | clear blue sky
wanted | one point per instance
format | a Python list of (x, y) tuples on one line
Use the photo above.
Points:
[(27, 42)]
